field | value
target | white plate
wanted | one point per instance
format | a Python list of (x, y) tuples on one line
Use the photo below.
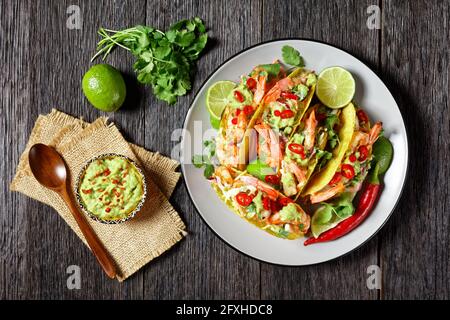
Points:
[(371, 94)]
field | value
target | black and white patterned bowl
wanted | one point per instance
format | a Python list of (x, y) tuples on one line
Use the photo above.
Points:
[(93, 216)]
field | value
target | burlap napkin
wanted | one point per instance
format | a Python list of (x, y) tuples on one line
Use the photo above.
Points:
[(131, 244)]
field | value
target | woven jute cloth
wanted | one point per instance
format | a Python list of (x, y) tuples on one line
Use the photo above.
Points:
[(131, 244)]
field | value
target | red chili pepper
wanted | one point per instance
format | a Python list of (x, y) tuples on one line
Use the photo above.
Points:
[(234, 121), (266, 203), (363, 153), (365, 205), (87, 191), (286, 114), (277, 113), (238, 96), (107, 172), (248, 110), (347, 171), (243, 199), (285, 201), (272, 178), (336, 178), (298, 149), (251, 83), (352, 158), (362, 116), (108, 209), (289, 95), (238, 112)]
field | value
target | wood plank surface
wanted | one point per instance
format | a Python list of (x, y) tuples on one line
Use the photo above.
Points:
[(415, 65), (43, 62), (15, 124), (59, 59)]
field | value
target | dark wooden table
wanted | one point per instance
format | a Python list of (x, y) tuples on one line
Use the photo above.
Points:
[(43, 62)]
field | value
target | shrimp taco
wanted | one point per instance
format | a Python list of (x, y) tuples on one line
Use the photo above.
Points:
[(260, 204), (243, 101), (280, 112), (351, 157), (304, 150)]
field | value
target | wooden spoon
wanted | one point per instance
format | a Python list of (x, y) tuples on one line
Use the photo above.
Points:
[(50, 170)]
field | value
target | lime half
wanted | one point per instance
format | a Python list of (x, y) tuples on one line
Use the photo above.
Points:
[(335, 87), (217, 98)]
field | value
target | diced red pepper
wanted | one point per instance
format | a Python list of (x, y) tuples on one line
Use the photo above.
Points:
[(336, 178), (243, 199), (347, 171), (238, 112), (320, 116), (108, 209), (277, 113), (352, 158), (107, 172), (234, 121), (272, 178), (298, 149), (251, 83), (363, 153), (286, 114), (238, 96), (248, 110), (289, 95), (362, 116), (275, 206), (88, 191), (266, 203), (284, 201)]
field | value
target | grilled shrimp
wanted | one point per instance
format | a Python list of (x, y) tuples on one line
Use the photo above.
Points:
[(310, 131), (361, 138), (303, 222), (375, 132), (275, 93), (260, 89), (227, 152), (260, 185), (271, 147), (327, 194), (299, 173), (223, 174)]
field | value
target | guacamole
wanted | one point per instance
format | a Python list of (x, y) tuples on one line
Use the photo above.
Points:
[(111, 188)]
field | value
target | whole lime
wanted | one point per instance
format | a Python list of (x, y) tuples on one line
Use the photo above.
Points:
[(104, 87)]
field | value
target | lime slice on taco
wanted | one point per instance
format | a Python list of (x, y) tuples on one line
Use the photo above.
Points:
[(217, 98)]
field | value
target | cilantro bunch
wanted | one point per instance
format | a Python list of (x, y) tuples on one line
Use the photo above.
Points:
[(163, 60)]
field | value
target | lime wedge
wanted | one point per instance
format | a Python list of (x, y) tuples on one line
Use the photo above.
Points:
[(335, 87), (217, 98)]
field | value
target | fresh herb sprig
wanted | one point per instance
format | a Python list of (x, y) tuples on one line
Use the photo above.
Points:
[(291, 56), (206, 160), (164, 59)]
